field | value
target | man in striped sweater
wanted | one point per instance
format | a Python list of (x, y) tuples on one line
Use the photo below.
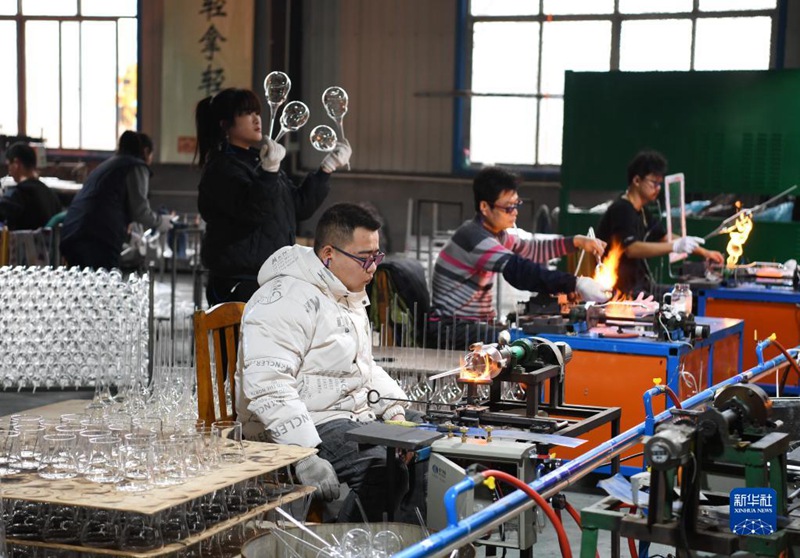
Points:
[(463, 277)]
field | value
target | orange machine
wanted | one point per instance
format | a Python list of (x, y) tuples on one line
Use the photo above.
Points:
[(616, 372), (765, 310)]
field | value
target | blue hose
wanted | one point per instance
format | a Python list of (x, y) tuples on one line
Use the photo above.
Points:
[(457, 534), (649, 418)]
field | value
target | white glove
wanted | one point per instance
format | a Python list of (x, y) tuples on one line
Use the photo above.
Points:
[(395, 412), (272, 153), (594, 246), (338, 158), (591, 290), (164, 223), (315, 471), (687, 244), (644, 305)]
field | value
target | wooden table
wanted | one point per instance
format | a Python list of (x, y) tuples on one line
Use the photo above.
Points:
[(55, 410), (261, 458)]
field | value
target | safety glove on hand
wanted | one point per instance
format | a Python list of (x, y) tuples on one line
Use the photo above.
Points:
[(164, 223), (591, 290), (338, 158), (687, 244), (271, 154), (317, 472)]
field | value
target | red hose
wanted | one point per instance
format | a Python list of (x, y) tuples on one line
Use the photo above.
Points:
[(673, 396), (563, 542), (577, 517), (631, 542), (573, 513), (789, 358)]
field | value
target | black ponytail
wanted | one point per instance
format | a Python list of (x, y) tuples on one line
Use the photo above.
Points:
[(209, 133)]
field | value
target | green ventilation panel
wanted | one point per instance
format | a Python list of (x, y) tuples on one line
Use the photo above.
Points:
[(728, 132)]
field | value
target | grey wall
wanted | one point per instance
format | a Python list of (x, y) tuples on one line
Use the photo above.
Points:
[(395, 59)]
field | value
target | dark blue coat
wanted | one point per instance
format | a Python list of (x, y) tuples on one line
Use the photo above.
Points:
[(97, 219)]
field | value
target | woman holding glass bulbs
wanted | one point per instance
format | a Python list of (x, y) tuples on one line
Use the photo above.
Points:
[(250, 206)]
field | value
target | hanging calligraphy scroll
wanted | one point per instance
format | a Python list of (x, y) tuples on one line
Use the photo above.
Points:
[(208, 46)]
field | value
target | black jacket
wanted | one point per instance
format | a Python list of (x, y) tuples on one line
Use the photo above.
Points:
[(250, 213), (29, 205)]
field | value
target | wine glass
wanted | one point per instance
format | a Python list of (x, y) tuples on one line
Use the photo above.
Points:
[(137, 461), (9, 458), (63, 524), (276, 88), (235, 499), (195, 520), (254, 493), (334, 99), (385, 544), (103, 465), (58, 457), (323, 138), (174, 526), (214, 507), (141, 533), (279, 482), (357, 543), (169, 468), (294, 116), (101, 529)]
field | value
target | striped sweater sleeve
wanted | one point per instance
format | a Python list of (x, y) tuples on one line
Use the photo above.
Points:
[(535, 249)]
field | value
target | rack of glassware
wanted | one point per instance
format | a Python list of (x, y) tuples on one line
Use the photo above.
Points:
[(71, 327), (115, 484)]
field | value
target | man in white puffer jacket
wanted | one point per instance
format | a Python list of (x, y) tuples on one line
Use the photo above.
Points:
[(305, 364)]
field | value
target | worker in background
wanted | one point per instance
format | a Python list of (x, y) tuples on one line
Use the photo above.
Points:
[(641, 235), (113, 196), (306, 364), (251, 207), (490, 243), (31, 203)]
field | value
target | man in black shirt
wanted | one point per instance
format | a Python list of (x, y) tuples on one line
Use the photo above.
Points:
[(641, 235), (30, 204)]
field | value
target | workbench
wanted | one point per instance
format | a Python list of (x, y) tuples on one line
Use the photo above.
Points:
[(615, 372), (765, 310)]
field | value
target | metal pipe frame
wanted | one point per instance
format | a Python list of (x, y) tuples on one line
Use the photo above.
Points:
[(474, 526)]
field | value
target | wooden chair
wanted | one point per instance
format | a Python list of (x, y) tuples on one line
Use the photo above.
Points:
[(218, 327), (4, 245)]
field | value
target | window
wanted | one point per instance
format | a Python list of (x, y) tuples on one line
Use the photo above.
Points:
[(520, 50), (77, 62)]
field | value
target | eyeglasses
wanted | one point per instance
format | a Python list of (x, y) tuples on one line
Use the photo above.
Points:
[(367, 262), (654, 183), (509, 208)]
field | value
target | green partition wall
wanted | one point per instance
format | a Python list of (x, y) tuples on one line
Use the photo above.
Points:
[(728, 132)]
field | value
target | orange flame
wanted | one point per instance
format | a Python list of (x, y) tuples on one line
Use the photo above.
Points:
[(606, 271), (738, 234), (618, 307), (475, 368), (606, 274)]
